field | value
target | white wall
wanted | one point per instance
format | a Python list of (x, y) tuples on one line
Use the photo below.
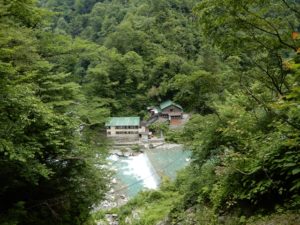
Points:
[(114, 132)]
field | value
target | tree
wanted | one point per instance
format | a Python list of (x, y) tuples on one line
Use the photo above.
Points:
[(48, 173), (249, 139)]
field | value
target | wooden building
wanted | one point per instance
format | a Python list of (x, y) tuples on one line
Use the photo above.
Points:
[(168, 110), (171, 110)]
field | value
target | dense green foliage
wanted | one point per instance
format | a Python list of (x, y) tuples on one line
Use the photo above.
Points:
[(149, 207), (232, 63), (251, 143), (245, 141), (141, 46), (48, 173)]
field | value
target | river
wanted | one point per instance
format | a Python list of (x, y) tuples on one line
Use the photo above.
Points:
[(145, 170)]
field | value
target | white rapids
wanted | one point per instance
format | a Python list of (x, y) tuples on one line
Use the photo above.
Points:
[(140, 167)]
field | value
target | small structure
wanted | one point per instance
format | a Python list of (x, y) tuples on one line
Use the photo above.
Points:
[(144, 131), (167, 110), (171, 110), (123, 127)]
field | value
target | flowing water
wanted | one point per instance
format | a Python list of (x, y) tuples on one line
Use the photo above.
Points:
[(144, 171)]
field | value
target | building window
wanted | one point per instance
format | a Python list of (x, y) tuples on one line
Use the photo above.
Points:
[(127, 127), (165, 115), (171, 110), (126, 132)]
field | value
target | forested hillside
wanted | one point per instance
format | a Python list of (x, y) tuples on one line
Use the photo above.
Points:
[(66, 65), (142, 45), (47, 151), (246, 146)]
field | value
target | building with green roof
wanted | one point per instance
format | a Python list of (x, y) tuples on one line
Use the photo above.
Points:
[(167, 110), (123, 121), (123, 126), (167, 104)]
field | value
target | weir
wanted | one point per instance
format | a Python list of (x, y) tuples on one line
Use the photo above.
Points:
[(145, 170)]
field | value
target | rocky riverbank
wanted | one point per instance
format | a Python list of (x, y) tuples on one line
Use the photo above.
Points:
[(138, 170)]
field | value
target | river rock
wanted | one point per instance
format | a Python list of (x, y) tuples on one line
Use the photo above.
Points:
[(122, 196), (127, 154), (112, 219), (136, 215)]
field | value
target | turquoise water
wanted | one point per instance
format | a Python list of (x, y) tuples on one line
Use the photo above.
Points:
[(168, 161), (136, 173), (126, 179)]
